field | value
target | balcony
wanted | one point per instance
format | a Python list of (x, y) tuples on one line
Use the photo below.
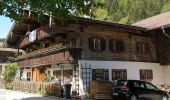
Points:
[(50, 55), (40, 34)]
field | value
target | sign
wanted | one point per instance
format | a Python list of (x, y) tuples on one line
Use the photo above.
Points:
[(32, 36)]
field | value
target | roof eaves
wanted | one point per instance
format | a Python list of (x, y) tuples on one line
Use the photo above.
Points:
[(113, 24)]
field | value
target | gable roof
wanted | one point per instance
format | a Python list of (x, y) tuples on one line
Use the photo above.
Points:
[(155, 21)]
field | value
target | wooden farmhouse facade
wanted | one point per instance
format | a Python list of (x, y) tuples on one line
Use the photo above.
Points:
[(81, 50)]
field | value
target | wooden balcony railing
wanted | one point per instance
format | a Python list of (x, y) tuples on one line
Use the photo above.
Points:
[(40, 33), (49, 55)]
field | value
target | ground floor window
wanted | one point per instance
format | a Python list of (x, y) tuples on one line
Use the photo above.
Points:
[(146, 74), (102, 74), (118, 74), (57, 73), (28, 76)]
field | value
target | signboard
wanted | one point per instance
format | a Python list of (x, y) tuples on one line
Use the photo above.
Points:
[(32, 36)]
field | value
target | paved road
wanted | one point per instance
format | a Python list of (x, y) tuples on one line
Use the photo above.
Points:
[(15, 95)]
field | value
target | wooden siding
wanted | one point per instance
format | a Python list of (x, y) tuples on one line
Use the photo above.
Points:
[(86, 31), (49, 59), (129, 39), (162, 47)]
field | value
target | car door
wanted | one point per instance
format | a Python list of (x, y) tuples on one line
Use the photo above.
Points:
[(152, 91), (139, 90)]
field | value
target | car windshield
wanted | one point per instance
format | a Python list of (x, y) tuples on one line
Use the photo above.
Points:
[(120, 83)]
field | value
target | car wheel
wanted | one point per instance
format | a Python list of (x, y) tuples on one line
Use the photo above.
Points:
[(164, 98), (133, 97)]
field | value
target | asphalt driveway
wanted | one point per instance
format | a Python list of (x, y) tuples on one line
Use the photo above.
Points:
[(15, 95)]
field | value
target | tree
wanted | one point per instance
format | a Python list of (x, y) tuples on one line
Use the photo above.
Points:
[(60, 9), (9, 74), (131, 11)]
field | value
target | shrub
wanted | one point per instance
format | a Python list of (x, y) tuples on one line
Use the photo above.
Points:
[(9, 74)]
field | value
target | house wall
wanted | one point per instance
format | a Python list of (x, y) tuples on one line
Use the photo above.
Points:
[(132, 70), (166, 74), (24, 74), (3, 69), (129, 39)]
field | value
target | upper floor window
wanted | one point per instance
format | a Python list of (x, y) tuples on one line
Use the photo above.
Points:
[(141, 47), (116, 45), (46, 44), (97, 44)]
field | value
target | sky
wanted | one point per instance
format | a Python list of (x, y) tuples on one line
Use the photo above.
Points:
[(5, 26)]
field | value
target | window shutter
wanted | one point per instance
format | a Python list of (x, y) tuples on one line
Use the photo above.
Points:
[(137, 47), (147, 47), (122, 46), (111, 45), (141, 75), (91, 43), (103, 44), (151, 74)]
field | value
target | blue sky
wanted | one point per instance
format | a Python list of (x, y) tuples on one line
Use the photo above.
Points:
[(5, 25)]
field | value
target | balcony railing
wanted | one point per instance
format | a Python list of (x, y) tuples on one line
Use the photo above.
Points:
[(49, 55), (40, 34)]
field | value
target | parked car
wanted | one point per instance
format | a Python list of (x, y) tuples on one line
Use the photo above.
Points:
[(137, 90)]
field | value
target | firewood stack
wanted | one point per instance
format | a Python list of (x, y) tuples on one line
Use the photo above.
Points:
[(100, 90)]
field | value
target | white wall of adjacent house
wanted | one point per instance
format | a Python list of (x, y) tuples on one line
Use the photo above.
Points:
[(133, 70), (2, 65), (24, 74), (166, 74)]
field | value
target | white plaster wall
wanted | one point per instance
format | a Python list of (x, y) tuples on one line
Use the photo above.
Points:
[(3, 69), (24, 75), (132, 69), (53, 67), (166, 74)]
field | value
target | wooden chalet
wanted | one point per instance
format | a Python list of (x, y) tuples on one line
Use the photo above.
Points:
[(81, 50)]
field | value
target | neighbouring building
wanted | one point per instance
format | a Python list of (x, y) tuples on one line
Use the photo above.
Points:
[(82, 50), (5, 53), (159, 25)]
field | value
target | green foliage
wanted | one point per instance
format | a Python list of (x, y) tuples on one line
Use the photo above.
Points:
[(9, 74), (60, 9), (130, 11)]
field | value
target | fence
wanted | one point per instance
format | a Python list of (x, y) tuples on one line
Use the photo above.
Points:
[(47, 88)]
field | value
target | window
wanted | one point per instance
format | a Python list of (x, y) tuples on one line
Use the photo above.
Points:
[(146, 74), (102, 74), (118, 74), (28, 76), (97, 44), (138, 84), (141, 47), (48, 73), (116, 45), (150, 86), (57, 73), (46, 44)]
